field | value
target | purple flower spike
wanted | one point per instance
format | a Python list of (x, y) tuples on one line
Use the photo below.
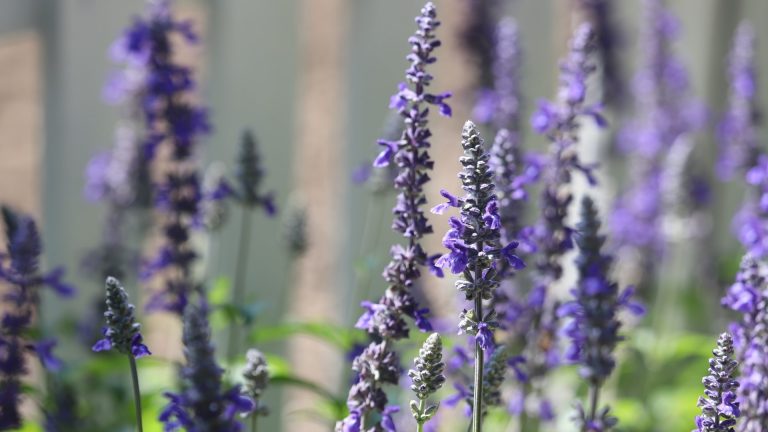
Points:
[(664, 116), (378, 364), (749, 296), (719, 408), (122, 332), (593, 325), (21, 275)]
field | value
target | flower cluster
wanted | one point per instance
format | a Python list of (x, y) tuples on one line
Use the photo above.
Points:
[(473, 239), (170, 118), (500, 106), (594, 324), (249, 178), (738, 131), (427, 377), (560, 122), (202, 405), (21, 270), (749, 296), (719, 408), (739, 137), (664, 117), (384, 320), (122, 332), (256, 378)]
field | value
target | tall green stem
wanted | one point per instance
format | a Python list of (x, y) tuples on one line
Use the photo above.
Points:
[(136, 391), (238, 289), (420, 424), (254, 419), (477, 405)]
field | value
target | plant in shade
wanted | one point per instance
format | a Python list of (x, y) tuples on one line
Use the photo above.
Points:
[(255, 378), (593, 327), (122, 333), (172, 120), (378, 364), (247, 191), (560, 122), (664, 117), (202, 405), (20, 269), (749, 297), (719, 408), (427, 378), (475, 251)]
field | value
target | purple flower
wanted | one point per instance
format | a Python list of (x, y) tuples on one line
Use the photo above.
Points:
[(378, 364), (719, 408), (749, 296), (738, 131), (593, 326), (168, 119), (122, 332), (664, 116), (203, 404), (20, 271)]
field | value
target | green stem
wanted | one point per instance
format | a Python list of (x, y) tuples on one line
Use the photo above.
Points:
[(136, 391), (238, 289), (419, 423), (477, 403), (254, 418)]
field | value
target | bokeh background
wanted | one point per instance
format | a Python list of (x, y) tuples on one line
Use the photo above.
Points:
[(312, 79)]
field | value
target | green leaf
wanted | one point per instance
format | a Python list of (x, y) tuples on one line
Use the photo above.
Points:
[(295, 381), (341, 337), (220, 290)]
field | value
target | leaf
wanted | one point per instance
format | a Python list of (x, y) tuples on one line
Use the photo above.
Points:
[(220, 290), (341, 337), (295, 381)]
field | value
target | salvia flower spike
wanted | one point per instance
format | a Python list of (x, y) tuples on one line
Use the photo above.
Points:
[(122, 333), (594, 325), (719, 409), (475, 249), (427, 378), (173, 121), (202, 405), (560, 122), (255, 381), (749, 296), (20, 269), (378, 364)]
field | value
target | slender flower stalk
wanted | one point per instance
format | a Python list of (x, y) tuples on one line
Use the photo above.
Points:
[(594, 325), (475, 251), (202, 405), (122, 333), (427, 378), (719, 408), (249, 194), (378, 364), (256, 378), (749, 297), (170, 119), (477, 39), (560, 122), (664, 117)]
